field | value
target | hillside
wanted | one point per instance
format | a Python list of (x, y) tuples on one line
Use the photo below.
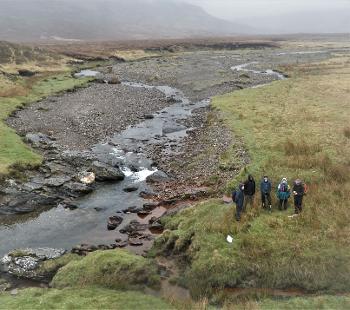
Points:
[(33, 20)]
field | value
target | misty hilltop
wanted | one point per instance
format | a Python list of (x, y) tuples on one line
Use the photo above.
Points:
[(31, 20)]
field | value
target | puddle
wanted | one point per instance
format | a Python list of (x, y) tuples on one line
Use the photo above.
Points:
[(86, 73)]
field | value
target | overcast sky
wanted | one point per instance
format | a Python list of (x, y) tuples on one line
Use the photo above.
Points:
[(236, 9)]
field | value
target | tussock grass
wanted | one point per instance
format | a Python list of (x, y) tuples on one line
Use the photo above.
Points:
[(114, 269), (292, 129)]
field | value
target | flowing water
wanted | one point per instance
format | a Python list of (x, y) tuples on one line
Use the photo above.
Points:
[(62, 228)]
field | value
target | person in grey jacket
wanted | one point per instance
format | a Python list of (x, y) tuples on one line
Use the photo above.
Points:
[(265, 189)]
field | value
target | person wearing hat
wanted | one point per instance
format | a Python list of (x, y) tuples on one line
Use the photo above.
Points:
[(283, 193), (265, 189), (298, 192)]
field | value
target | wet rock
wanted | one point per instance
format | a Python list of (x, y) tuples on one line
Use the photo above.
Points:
[(78, 188), (67, 205), (105, 172), (131, 188), (135, 242), (149, 116), (156, 226), (121, 243), (150, 206), (57, 181), (147, 194), (23, 263), (99, 209), (114, 222), (84, 249), (78, 159), (153, 219), (143, 213), (133, 226), (158, 177), (132, 209)]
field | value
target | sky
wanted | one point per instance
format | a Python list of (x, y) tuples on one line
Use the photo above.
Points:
[(240, 9)]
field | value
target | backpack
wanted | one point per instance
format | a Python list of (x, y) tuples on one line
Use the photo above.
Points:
[(284, 187), (234, 195), (305, 188)]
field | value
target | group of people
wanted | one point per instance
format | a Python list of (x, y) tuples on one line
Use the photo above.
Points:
[(246, 193)]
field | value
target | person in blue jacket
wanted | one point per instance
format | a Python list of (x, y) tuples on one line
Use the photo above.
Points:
[(239, 200), (265, 189)]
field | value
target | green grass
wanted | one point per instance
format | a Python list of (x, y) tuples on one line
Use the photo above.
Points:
[(292, 128), (115, 269), (320, 302), (12, 149), (92, 298)]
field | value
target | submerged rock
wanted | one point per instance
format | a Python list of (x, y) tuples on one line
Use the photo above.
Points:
[(131, 188)]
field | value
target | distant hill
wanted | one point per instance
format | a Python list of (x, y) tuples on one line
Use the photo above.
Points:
[(28, 20)]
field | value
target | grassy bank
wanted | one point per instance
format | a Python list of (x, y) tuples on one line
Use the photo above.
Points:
[(108, 269), (53, 75), (92, 298), (293, 128)]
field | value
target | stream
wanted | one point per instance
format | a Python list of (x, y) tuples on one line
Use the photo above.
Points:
[(64, 228)]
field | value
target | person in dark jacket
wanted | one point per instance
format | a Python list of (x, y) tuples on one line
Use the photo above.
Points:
[(298, 192), (265, 189), (249, 191), (239, 200), (283, 194)]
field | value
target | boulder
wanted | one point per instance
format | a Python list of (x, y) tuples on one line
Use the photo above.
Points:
[(106, 172), (78, 159), (150, 206), (132, 227), (158, 177), (23, 263), (114, 222), (147, 194)]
